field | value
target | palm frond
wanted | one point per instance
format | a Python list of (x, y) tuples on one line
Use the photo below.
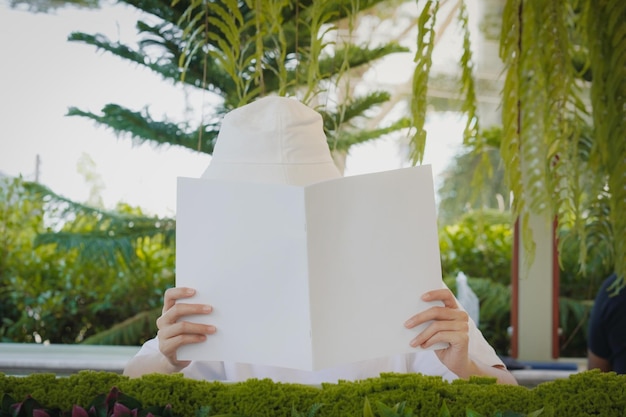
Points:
[(131, 332), (98, 235), (573, 319)]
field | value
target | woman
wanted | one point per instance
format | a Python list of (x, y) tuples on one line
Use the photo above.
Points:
[(280, 140)]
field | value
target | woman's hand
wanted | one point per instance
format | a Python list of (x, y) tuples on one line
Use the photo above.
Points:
[(449, 325), (174, 332)]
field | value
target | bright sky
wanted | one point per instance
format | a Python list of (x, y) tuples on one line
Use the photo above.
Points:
[(42, 75)]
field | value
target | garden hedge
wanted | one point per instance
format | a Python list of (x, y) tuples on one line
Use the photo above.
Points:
[(582, 394)]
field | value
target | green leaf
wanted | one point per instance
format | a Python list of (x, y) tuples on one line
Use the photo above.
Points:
[(536, 413), (444, 411), (367, 408)]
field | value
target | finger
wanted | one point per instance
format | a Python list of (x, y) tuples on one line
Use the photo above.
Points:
[(452, 332), (185, 328), (169, 347), (173, 294), (179, 310), (437, 314), (456, 340), (442, 294), (173, 337)]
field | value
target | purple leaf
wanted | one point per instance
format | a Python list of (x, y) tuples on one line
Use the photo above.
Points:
[(39, 412), (78, 411), (120, 410)]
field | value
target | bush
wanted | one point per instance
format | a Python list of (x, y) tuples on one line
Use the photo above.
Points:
[(48, 295), (583, 394), (480, 245)]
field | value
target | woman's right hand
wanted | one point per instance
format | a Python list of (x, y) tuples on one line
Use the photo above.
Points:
[(174, 332)]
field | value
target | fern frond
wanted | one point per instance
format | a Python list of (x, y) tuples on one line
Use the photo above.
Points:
[(468, 84), (534, 103), (423, 63), (510, 144)]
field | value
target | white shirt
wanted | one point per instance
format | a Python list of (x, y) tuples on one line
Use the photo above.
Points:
[(421, 361)]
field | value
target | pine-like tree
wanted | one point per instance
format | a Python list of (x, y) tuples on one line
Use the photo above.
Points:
[(240, 50)]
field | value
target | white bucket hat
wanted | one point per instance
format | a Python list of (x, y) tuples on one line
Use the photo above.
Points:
[(274, 140)]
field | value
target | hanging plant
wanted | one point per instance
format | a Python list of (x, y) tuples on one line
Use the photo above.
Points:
[(553, 168)]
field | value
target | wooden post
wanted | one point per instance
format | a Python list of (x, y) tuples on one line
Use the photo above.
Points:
[(535, 285)]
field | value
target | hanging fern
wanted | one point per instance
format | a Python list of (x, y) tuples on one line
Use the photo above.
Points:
[(606, 33), (471, 133), (423, 63), (510, 50), (468, 84), (554, 168), (510, 144)]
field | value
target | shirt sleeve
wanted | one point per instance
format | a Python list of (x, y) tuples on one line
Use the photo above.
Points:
[(597, 340), (149, 347), (479, 349), (200, 370)]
